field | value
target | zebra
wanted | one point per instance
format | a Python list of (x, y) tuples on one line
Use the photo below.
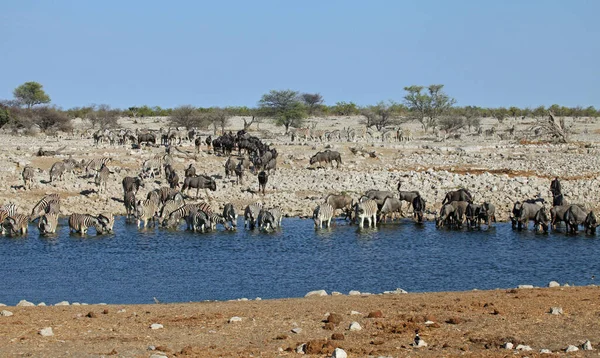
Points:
[(130, 203), (16, 224), (230, 215), (28, 174), (198, 221), (6, 211), (48, 223), (153, 166), (168, 207), (323, 213), (95, 165), (215, 219), (101, 179), (251, 214), (184, 211), (46, 204), (277, 215), (366, 209), (145, 211), (266, 220), (80, 223), (107, 220), (57, 171)]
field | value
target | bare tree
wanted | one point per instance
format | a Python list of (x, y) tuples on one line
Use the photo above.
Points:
[(104, 116), (381, 115), (219, 117), (553, 127), (188, 116)]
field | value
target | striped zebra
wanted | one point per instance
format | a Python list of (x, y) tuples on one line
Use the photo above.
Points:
[(265, 220), (197, 221), (217, 219), (152, 167), (80, 223), (6, 211), (154, 195), (16, 224), (129, 201), (48, 223), (183, 211), (168, 207), (251, 215), (57, 171), (28, 174), (145, 211), (101, 179), (107, 220), (366, 209), (46, 204), (277, 213), (230, 215), (96, 164), (323, 213)]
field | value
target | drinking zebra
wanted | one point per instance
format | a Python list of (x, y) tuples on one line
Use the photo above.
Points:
[(251, 214), (6, 211), (16, 224), (215, 219), (230, 215), (80, 223), (101, 179), (323, 213), (28, 174), (107, 220), (57, 171), (130, 202), (277, 215), (48, 203), (183, 211), (48, 223), (366, 209), (197, 221), (145, 210), (266, 220)]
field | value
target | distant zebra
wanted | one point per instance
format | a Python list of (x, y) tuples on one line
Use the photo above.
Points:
[(101, 179), (366, 209), (152, 167), (16, 224), (46, 204), (230, 215), (5, 212), (96, 164), (57, 171), (265, 220), (197, 221), (145, 211), (107, 220), (129, 201), (80, 223), (323, 213), (48, 223), (173, 218), (251, 215), (277, 215), (28, 174)]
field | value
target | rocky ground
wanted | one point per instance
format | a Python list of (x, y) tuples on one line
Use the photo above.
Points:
[(524, 322)]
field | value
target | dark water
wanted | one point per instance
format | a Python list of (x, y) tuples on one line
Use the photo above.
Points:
[(133, 266)]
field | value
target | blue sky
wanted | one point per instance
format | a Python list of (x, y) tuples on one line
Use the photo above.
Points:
[(221, 53)]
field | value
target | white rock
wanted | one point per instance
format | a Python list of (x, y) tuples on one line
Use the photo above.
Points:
[(158, 355), (62, 303), (429, 323), (553, 284), (42, 304), (354, 313), (587, 346), (300, 349), (235, 319), (24, 303), (258, 299), (397, 291), (508, 345), (2, 305), (296, 330), (122, 310), (354, 293), (421, 343), (336, 293), (6, 313), (522, 347), (339, 353), (525, 286), (76, 304), (556, 310), (316, 293), (545, 351), (46, 332), (156, 326), (571, 348), (355, 326)]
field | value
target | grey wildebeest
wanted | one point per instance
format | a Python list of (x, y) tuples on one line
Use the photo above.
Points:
[(339, 202), (575, 216), (452, 214), (525, 211), (378, 195), (541, 220), (418, 205), (263, 178), (458, 195), (472, 215), (199, 182), (390, 206), (557, 214), (327, 157)]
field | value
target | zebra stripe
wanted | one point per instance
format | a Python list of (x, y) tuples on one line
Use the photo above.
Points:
[(10, 209), (197, 221), (251, 214), (145, 211), (16, 224), (150, 166), (81, 222), (366, 209), (130, 202), (266, 220), (48, 223), (217, 219), (184, 211), (107, 220), (277, 213), (101, 179), (47, 203), (28, 173), (323, 213), (95, 164)]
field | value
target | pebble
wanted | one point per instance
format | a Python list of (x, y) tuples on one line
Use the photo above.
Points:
[(62, 303), (421, 343), (553, 284), (339, 353), (122, 310), (46, 332), (354, 313), (6, 313), (355, 326), (156, 326), (316, 293), (24, 303), (158, 355), (587, 346), (354, 293), (2, 305), (545, 351), (235, 319), (397, 291), (525, 286), (336, 293), (508, 345), (301, 348), (556, 310), (522, 347), (571, 348), (297, 330), (42, 304)]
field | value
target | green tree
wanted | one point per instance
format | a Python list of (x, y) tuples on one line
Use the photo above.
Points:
[(51, 118), (427, 107), (345, 109), (285, 107), (381, 115), (104, 116), (30, 94), (187, 116), (4, 115), (312, 101)]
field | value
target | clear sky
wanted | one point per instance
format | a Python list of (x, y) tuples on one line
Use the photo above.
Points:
[(223, 53)]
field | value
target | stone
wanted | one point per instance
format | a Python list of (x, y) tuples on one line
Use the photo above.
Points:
[(235, 319), (355, 326), (587, 346), (301, 348), (375, 314), (334, 318), (354, 313), (336, 293), (522, 347), (297, 330), (553, 284), (42, 304), (571, 348), (397, 291), (62, 303), (507, 345), (421, 343), (24, 303), (156, 326), (2, 305), (338, 337), (318, 293), (6, 313), (76, 304), (46, 332), (158, 355), (525, 286), (556, 310), (315, 346), (545, 351), (339, 353), (354, 293)]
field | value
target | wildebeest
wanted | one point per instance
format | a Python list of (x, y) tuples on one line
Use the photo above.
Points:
[(487, 213), (378, 195), (458, 195), (541, 220), (558, 200), (199, 182), (408, 196), (173, 180), (328, 157), (229, 167), (263, 178), (418, 205), (525, 211), (190, 171), (446, 217), (147, 138), (575, 216), (342, 201), (390, 206), (132, 184), (557, 214), (472, 215)]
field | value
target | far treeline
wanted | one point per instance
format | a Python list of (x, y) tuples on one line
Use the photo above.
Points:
[(429, 105)]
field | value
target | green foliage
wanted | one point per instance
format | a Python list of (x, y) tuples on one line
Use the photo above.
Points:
[(428, 106), (48, 118), (80, 112), (104, 116), (312, 101), (382, 114), (30, 94), (345, 109), (4, 115), (189, 117), (284, 106)]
